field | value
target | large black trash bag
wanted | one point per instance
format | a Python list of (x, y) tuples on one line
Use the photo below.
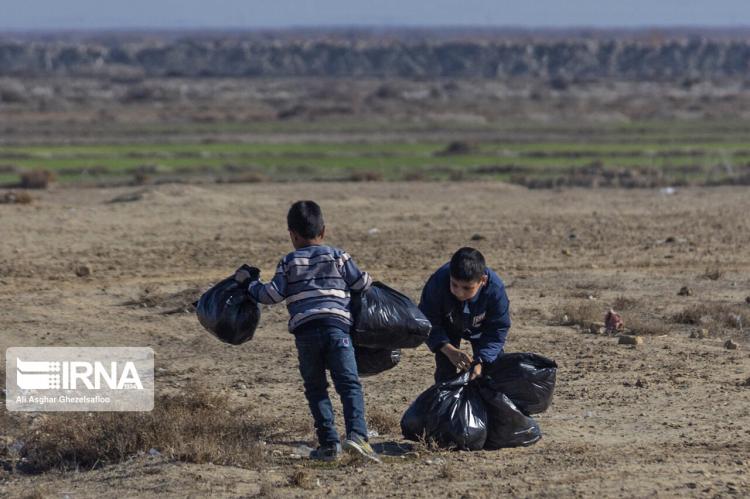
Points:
[(452, 414), (414, 420), (371, 361), (527, 379), (228, 312), (507, 426), (385, 318)]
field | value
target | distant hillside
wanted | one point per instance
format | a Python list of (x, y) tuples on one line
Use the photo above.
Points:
[(574, 59)]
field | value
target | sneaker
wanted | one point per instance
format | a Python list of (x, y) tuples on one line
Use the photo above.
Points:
[(326, 453), (356, 444)]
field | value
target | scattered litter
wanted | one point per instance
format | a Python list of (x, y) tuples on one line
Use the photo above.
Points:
[(667, 191), (613, 322), (685, 291), (153, 452), (373, 231), (731, 345)]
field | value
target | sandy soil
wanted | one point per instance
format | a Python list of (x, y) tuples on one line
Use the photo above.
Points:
[(682, 431)]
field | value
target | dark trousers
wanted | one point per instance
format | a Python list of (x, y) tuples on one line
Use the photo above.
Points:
[(330, 348)]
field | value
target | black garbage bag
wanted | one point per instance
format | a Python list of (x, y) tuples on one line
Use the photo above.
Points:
[(371, 361), (414, 420), (507, 426), (385, 318), (228, 312), (527, 379), (452, 414)]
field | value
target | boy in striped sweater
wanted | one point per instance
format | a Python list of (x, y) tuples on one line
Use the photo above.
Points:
[(316, 280)]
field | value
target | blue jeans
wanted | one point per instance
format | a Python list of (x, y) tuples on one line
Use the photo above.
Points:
[(331, 348)]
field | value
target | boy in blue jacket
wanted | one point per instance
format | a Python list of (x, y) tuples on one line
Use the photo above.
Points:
[(465, 299), (316, 280)]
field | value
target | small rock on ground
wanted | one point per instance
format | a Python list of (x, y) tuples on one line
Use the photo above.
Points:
[(83, 270), (731, 345), (630, 340)]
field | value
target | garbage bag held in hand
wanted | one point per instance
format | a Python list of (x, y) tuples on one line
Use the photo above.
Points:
[(228, 312), (507, 426), (371, 361), (450, 413), (385, 318), (527, 379)]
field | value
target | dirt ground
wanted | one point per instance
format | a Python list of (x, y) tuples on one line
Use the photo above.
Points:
[(668, 418)]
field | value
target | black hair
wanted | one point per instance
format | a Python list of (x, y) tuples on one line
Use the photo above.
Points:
[(467, 264), (306, 219)]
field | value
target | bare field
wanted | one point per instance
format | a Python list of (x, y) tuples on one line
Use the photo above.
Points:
[(668, 418)]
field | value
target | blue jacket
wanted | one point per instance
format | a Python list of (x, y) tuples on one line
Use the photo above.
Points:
[(315, 282), (484, 320)]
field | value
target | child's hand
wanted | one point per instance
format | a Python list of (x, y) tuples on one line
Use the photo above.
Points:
[(458, 358), (246, 273), (476, 371)]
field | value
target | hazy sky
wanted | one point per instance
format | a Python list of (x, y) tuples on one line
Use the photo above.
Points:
[(65, 14)]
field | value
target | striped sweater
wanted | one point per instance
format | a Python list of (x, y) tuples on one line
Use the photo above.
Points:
[(316, 282)]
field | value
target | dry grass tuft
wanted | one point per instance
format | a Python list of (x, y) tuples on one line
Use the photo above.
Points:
[(447, 472), (384, 422), (645, 326), (267, 489), (581, 313), (16, 197), (303, 479), (414, 176), (713, 273), (36, 493), (424, 445), (715, 315), (366, 176), (195, 426), (36, 179), (623, 303), (243, 178)]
